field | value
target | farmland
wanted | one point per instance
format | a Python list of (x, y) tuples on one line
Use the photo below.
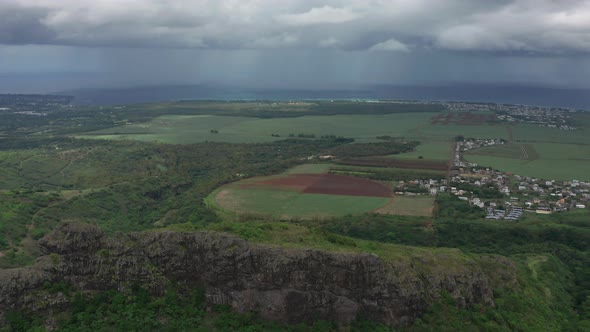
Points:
[(302, 195), (183, 129), (286, 205), (429, 150), (409, 206), (514, 151), (387, 174), (533, 151), (545, 160), (325, 190), (197, 128), (131, 180)]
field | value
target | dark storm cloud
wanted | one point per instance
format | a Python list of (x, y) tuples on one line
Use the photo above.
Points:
[(21, 25), (513, 26)]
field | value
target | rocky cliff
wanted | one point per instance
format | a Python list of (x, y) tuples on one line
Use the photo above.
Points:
[(290, 285)]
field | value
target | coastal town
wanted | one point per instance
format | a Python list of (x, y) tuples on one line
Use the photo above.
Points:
[(506, 196), (502, 195), (550, 117)]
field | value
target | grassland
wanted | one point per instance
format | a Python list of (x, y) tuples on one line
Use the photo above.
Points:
[(197, 128)]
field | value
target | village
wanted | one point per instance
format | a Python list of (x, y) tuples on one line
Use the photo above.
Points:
[(535, 115), (504, 196)]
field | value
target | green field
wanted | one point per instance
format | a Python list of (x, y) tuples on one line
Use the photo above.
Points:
[(289, 204), (429, 151), (197, 128), (309, 169), (555, 161), (438, 133), (186, 129), (514, 151), (409, 206), (531, 133)]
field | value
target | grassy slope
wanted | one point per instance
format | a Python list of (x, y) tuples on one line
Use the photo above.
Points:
[(290, 235)]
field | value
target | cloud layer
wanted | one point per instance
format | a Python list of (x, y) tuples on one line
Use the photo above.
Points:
[(508, 26)]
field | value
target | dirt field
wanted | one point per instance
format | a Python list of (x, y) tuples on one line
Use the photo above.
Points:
[(333, 184), (298, 182), (329, 184)]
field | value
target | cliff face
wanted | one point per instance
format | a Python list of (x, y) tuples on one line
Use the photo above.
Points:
[(290, 285)]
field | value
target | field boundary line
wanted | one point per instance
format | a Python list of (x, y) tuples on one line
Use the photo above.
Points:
[(524, 152)]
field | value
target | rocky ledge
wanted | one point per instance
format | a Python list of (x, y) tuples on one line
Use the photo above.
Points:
[(289, 285)]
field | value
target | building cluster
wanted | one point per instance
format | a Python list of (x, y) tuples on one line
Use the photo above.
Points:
[(519, 193), (32, 104), (516, 193), (470, 107), (542, 116), (513, 213), (421, 187), (559, 118)]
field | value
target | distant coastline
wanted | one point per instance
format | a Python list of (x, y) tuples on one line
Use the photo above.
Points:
[(537, 96)]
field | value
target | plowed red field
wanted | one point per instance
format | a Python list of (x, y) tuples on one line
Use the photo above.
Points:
[(347, 185), (330, 184), (296, 181)]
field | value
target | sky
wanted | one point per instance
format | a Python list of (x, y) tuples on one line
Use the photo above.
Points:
[(49, 45)]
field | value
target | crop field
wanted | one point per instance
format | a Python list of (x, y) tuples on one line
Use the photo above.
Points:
[(396, 163), (309, 169), (186, 129), (409, 206), (434, 150), (289, 204), (514, 151), (438, 133), (545, 160), (531, 133), (387, 173), (198, 128), (463, 118), (300, 195), (533, 151)]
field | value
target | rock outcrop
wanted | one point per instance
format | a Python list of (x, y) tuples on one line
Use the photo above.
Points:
[(290, 285)]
